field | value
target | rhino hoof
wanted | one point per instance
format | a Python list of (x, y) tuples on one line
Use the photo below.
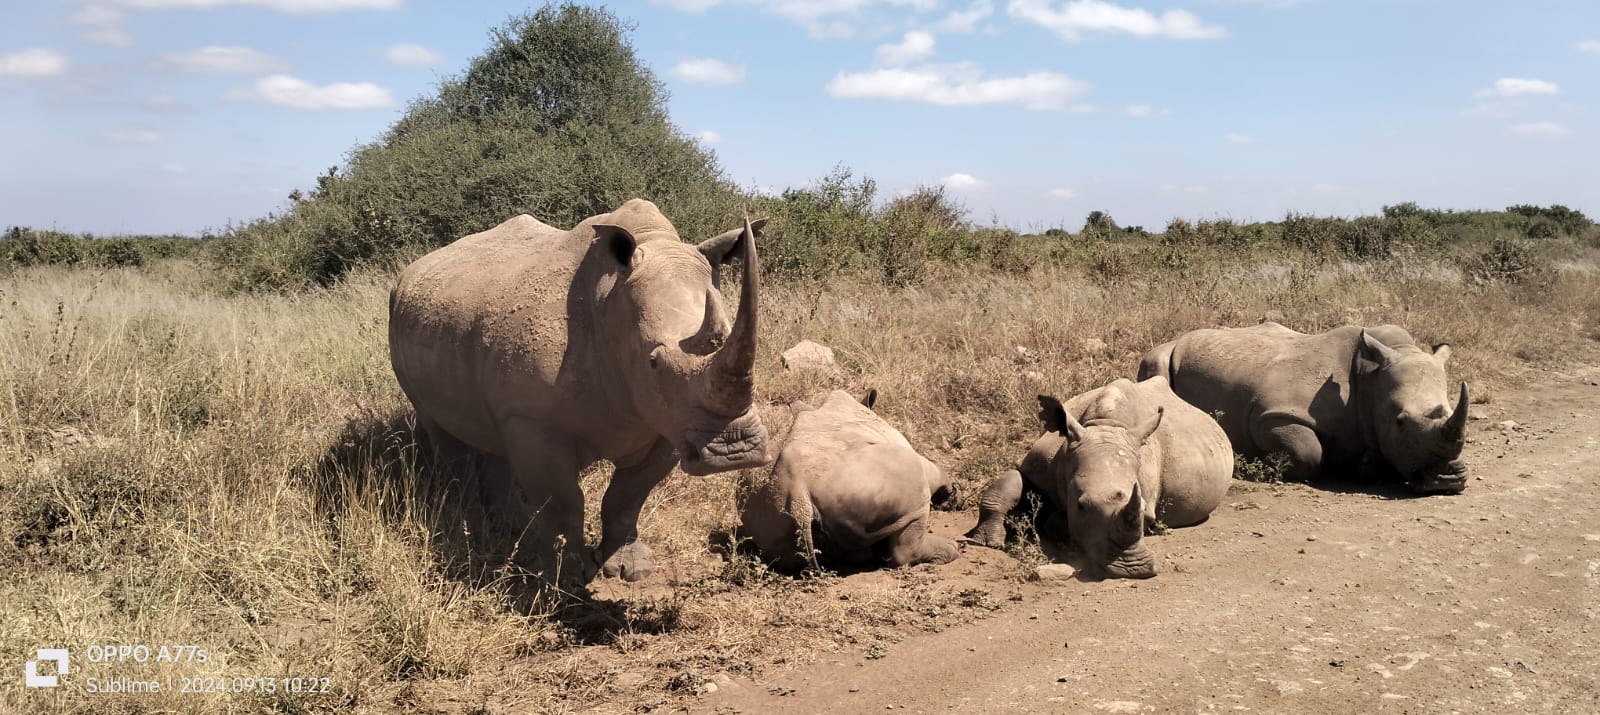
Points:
[(992, 537), (631, 563)]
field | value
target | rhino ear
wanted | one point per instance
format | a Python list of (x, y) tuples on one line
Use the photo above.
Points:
[(1375, 351), (618, 240), (871, 398), (1441, 353), (721, 248), (1052, 415), (1143, 431)]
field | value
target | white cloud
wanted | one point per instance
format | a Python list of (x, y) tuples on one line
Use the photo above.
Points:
[(172, 167), (102, 26), (960, 181), (916, 45), (1270, 4), (412, 55), (1518, 86), (966, 21), (708, 137), (1063, 194), (133, 136), (688, 5), (300, 7), (822, 19), (709, 71), (1329, 188), (1145, 111), (33, 62), (959, 85), (1075, 18), (216, 59), (1190, 189), (1542, 129), (1590, 46), (297, 93), (1238, 138)]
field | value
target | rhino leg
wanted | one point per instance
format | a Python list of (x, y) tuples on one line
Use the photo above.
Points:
[(621, 552), (997, 501), (915, 544), (768, 522), (548, 474), (1299, 442)]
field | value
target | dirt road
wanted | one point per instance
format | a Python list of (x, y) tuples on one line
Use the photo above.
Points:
[(1296, 599)]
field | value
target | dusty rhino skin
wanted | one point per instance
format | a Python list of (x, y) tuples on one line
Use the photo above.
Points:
[(1114, 461), (1327, 399), (555, 349), (848, 485)]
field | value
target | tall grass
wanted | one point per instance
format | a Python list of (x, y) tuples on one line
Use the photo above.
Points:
[(181, 465)]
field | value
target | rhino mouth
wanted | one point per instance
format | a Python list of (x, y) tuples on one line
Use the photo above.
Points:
[(739, 444), (1135, 562), (1451, 478)]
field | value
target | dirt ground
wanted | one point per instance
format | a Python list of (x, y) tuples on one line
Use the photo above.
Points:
[(1291, 598)]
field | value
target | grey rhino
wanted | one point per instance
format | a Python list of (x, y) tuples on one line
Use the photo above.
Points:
[(555, 349), (1339, 396), (849, 485), (1115, 461)]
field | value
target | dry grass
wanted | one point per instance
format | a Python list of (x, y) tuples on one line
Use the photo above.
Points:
[(180, 467)]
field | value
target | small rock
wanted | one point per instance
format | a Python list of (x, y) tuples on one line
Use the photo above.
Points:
[(710, 687), (1311, 538), (1094, 345), (1476, 415), (855, 688), (1061, 679), (1033, 375), (629, 680), (1272, 316), (1337, 662), (1506, 426), (1049, 573), (722, 679), (807, 355)]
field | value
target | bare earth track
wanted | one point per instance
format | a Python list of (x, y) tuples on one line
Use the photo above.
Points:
[(1294, 599)]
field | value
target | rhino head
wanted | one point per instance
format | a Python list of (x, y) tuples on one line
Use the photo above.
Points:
[(1096, 473), (688, 373), (1406, 400)]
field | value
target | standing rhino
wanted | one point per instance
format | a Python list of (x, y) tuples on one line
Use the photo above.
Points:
[(1115, 461), (850, 486), (1324, 399), (555, 349)]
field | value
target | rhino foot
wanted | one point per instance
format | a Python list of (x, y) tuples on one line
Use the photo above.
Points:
[(990, 533), (632, 562)]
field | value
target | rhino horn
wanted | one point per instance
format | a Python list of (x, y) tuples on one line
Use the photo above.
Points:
[(1456, 427), (1133, 513), (731, 377)]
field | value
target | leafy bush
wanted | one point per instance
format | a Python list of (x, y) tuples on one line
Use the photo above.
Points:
[(1505, 260)]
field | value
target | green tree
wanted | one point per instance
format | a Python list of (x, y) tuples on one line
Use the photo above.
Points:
[(557, 118)]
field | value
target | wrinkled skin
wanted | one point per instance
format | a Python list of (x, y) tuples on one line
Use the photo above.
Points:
[(555, 349), (847, 485), (1326, 400), (1115, 461)]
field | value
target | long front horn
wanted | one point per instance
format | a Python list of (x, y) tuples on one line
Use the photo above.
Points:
[(731, 377), (1456, 426)]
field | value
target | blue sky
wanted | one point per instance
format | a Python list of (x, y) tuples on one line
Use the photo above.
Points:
[(184, 115)]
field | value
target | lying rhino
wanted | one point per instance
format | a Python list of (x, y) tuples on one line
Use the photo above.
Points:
[(1114, 461), (849, 486), (557, 348), (1325, 399)]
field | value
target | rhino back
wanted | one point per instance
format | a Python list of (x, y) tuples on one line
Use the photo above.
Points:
[(1242, 375), (479, 329), (1196, 457)]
